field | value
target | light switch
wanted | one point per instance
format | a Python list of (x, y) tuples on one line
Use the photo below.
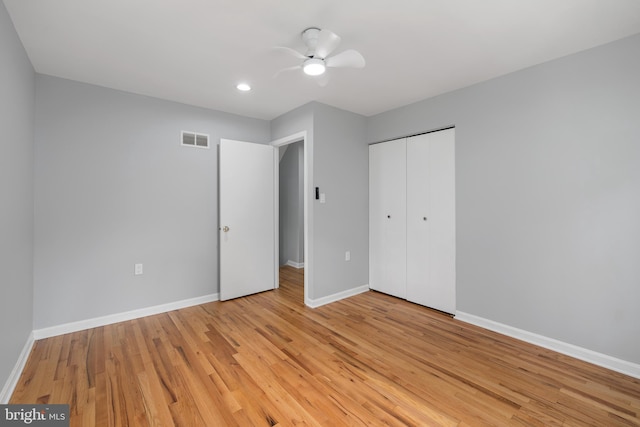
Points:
[(137, 270), (322, 198)]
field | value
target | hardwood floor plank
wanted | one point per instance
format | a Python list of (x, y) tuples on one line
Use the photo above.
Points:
[(268, 360)]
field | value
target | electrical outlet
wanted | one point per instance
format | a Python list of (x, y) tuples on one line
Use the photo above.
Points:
[(347, 256), (137, 269)]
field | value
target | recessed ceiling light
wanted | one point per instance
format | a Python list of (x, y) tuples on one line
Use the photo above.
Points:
[(243, 87)]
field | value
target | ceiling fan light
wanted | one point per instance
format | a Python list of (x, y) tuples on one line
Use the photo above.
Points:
[(314, 67)]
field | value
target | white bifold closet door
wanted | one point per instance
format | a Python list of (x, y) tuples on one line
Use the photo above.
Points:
[(412, 219), (387, 218), (431, 215)]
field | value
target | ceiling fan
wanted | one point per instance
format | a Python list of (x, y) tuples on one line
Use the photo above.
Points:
[(320, 44)]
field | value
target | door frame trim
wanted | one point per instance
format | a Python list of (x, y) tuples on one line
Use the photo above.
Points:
[(308, 235)]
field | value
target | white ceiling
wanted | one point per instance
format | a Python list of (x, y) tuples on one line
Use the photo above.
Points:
[(195, 51)]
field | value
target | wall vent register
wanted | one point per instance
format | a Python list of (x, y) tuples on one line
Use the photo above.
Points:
[(193, 139)]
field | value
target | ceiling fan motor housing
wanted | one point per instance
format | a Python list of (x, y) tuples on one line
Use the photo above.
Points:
[(310, 39)]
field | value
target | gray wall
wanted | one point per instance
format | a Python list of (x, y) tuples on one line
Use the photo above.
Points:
[(113, 187), (548, 195), (341, 170), (292, 204), (17, 112)]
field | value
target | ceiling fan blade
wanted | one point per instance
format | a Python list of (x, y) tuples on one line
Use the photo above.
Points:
[(327, 42), (284, 70), (348, 59), (290, 51)]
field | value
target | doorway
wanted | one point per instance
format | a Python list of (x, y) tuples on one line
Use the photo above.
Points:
[(292, 206)]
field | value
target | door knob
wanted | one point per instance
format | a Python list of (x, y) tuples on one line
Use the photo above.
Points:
[(225, 228)]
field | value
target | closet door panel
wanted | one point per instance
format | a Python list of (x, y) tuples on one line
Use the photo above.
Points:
[(418, 220), (443, 234), (431, 277), (387, 217)]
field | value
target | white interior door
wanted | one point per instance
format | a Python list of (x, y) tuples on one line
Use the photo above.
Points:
[(431, 251), (247, 218), (387, 217)]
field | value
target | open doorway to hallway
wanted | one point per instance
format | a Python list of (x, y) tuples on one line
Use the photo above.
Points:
[(291, 212)]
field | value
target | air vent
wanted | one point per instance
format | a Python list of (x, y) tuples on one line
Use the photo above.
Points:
[(193, 139)]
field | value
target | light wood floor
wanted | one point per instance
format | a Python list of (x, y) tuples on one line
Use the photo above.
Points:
[(267, 360)]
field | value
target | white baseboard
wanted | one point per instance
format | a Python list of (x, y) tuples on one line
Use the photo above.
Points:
[(609, 362), (12, 381), (295, 264), (121, 317), (314, 303)]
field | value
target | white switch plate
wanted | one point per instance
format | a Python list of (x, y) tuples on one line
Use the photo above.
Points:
[(137, 269), (323, 199), (347, 256)]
